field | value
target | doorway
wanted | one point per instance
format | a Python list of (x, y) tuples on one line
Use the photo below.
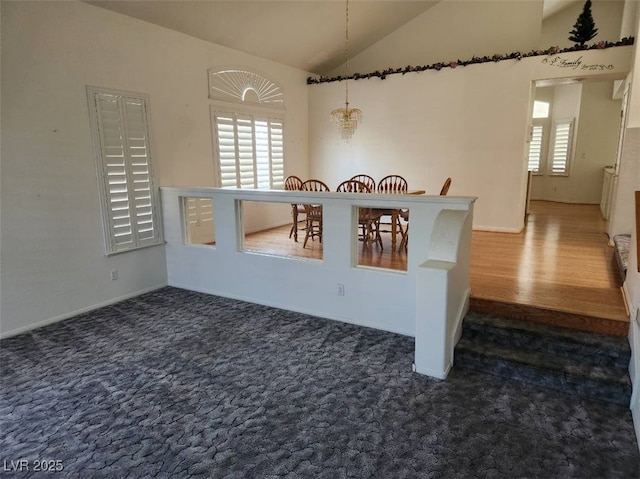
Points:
[(575, 129)]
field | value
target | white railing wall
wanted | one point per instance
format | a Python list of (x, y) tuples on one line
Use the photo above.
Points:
[(427, 301)]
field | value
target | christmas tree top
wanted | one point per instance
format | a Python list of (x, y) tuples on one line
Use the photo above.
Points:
[(584, 29)]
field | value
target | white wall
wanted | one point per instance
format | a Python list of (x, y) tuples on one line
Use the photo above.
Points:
[(622, 220), (596, 142), (53, 262), (456, 29), (469, 123), (427, 301), (633, 119), (623, 213), (607, 16), (627, 186)]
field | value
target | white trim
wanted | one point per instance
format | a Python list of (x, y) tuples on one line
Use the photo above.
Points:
[(230, 85), (464, 309), (55, 319), (543, 124), (635, 416), (497, 229), (570, 146), (247, 108), (288, 307), (626, 296), (634, 370), (252, 121), (109, 222)]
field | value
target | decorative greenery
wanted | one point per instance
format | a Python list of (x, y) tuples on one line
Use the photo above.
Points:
[(584, 29), (461, 63)]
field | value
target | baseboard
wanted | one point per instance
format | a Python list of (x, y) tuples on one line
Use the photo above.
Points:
[(457, 329), (495, 229), (270, 226), (55, 319), (288, 307), (435, 374), (626, 297), (462, 312), (634, 370), (635, 415), (568, 202)]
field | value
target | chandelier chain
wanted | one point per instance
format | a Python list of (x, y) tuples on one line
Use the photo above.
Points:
[(346, 53), (346, 118)]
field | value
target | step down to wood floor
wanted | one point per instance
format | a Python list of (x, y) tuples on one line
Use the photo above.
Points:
[(584, 364), (547, 316)]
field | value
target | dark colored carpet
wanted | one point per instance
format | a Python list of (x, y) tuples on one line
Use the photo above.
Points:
[(578, 363), (180, 384)]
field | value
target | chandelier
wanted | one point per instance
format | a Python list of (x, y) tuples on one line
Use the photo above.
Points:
[(346, 118)]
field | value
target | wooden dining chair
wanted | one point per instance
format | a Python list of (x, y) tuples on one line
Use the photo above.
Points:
[(392, 184), (367, 180), (445, 187), (313, 223), (404, 214), (293, 183), (367, 219)]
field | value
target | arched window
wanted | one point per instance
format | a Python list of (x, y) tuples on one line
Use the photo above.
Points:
[(248, 126), (245, 87)]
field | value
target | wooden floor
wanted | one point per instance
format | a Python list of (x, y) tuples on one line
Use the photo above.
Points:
[(559, 270)]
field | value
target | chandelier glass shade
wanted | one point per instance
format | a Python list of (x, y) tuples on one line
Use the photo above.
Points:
[(346, 119)]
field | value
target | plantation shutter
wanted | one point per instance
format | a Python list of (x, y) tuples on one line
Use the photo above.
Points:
[(535, 148), (263, 157), (129, 199), (276, 134), (561, 151), (245, 152), (250, 151), (226, 135), (199, 210)]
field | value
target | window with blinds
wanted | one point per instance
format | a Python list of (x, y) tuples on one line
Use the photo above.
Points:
[(129, 199), (250, 150), (199, 220), (561, 147), (535, 148)]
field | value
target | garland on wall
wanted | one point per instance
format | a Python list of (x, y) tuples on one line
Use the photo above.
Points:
[(461, 63)]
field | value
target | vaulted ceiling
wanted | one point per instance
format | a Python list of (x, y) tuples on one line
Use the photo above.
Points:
[(305, 34)]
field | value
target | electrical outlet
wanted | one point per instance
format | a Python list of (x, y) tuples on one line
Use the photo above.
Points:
[(340, 289), (114, 274)]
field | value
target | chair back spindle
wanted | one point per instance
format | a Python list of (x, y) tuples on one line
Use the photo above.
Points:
[(367, 180), (368, 220), (292, 183), (393, 184), (353, 186), (314, 212), (314, 185)]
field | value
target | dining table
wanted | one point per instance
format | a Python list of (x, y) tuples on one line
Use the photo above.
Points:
[(394, 213)]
